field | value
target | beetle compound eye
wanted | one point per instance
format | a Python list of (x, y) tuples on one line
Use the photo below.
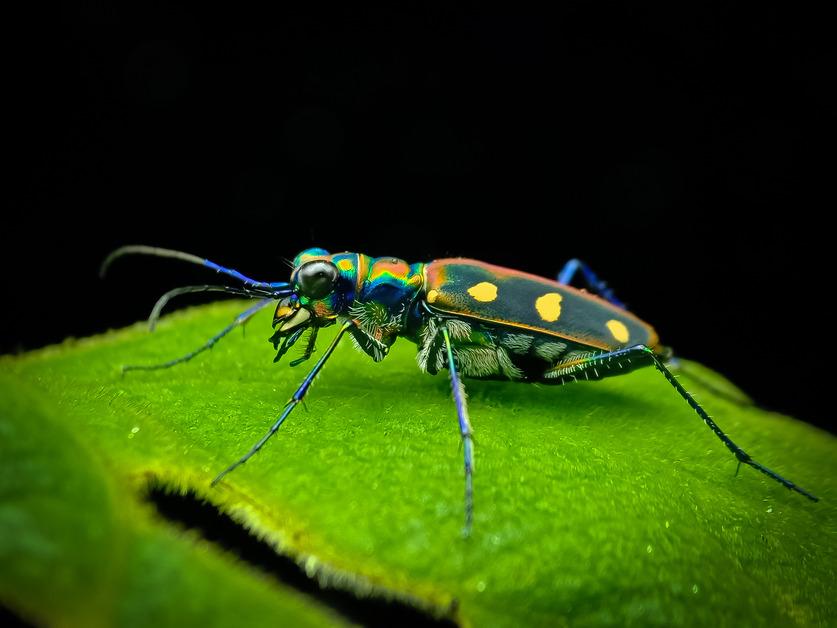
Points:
[(316, 279)]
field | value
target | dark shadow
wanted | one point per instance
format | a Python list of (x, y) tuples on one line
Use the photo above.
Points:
[(9, 619), (216, 527)]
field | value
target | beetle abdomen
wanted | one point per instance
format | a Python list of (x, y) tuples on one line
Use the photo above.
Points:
[(488, 351), (497, 295)]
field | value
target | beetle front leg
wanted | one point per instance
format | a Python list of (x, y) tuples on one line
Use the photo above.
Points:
[(294, 401), (239, 321), (460, 398)]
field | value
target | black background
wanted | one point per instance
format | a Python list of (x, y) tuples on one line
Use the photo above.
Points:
[(676, 149)]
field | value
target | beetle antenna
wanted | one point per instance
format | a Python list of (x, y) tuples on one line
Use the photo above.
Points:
[(139, 249)]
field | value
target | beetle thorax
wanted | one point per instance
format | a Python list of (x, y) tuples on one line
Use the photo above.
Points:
[(387, 287)]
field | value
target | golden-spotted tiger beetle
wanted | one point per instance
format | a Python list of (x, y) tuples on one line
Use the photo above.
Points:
[(475, 319)]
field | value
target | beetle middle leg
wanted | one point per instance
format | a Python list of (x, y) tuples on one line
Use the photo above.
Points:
[(460, 399), (622, 360)]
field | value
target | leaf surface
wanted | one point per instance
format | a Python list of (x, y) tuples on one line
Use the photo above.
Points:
[(606, 503)]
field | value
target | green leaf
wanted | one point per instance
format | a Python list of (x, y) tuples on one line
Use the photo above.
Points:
[(606, 503)]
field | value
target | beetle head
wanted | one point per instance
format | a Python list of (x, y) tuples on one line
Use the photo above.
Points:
[(320, 293)]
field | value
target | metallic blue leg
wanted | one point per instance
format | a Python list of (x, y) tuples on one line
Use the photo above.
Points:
[(138, 249), (241, 319), (593, 282), (465, 431), (613, 362), (295, 400)]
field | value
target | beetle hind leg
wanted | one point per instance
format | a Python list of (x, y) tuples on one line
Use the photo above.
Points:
[(623, 360), (593, 282), (465, 431)]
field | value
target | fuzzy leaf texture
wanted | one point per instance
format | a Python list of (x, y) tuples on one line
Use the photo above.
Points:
[(605, 503)]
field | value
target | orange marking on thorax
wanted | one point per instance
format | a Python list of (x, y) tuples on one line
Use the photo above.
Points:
[(397, 268)]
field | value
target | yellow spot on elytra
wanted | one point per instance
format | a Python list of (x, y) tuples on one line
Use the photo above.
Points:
[(432, 296), (483, 291), (549, 306), (345, 264), (619, 331)]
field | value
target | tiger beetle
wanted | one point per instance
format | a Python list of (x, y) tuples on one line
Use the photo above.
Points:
[(474, 319)]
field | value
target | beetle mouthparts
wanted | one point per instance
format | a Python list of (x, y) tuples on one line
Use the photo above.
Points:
[(293, 318)]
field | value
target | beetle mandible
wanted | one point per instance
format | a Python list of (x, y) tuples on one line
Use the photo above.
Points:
[(475, 319)]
